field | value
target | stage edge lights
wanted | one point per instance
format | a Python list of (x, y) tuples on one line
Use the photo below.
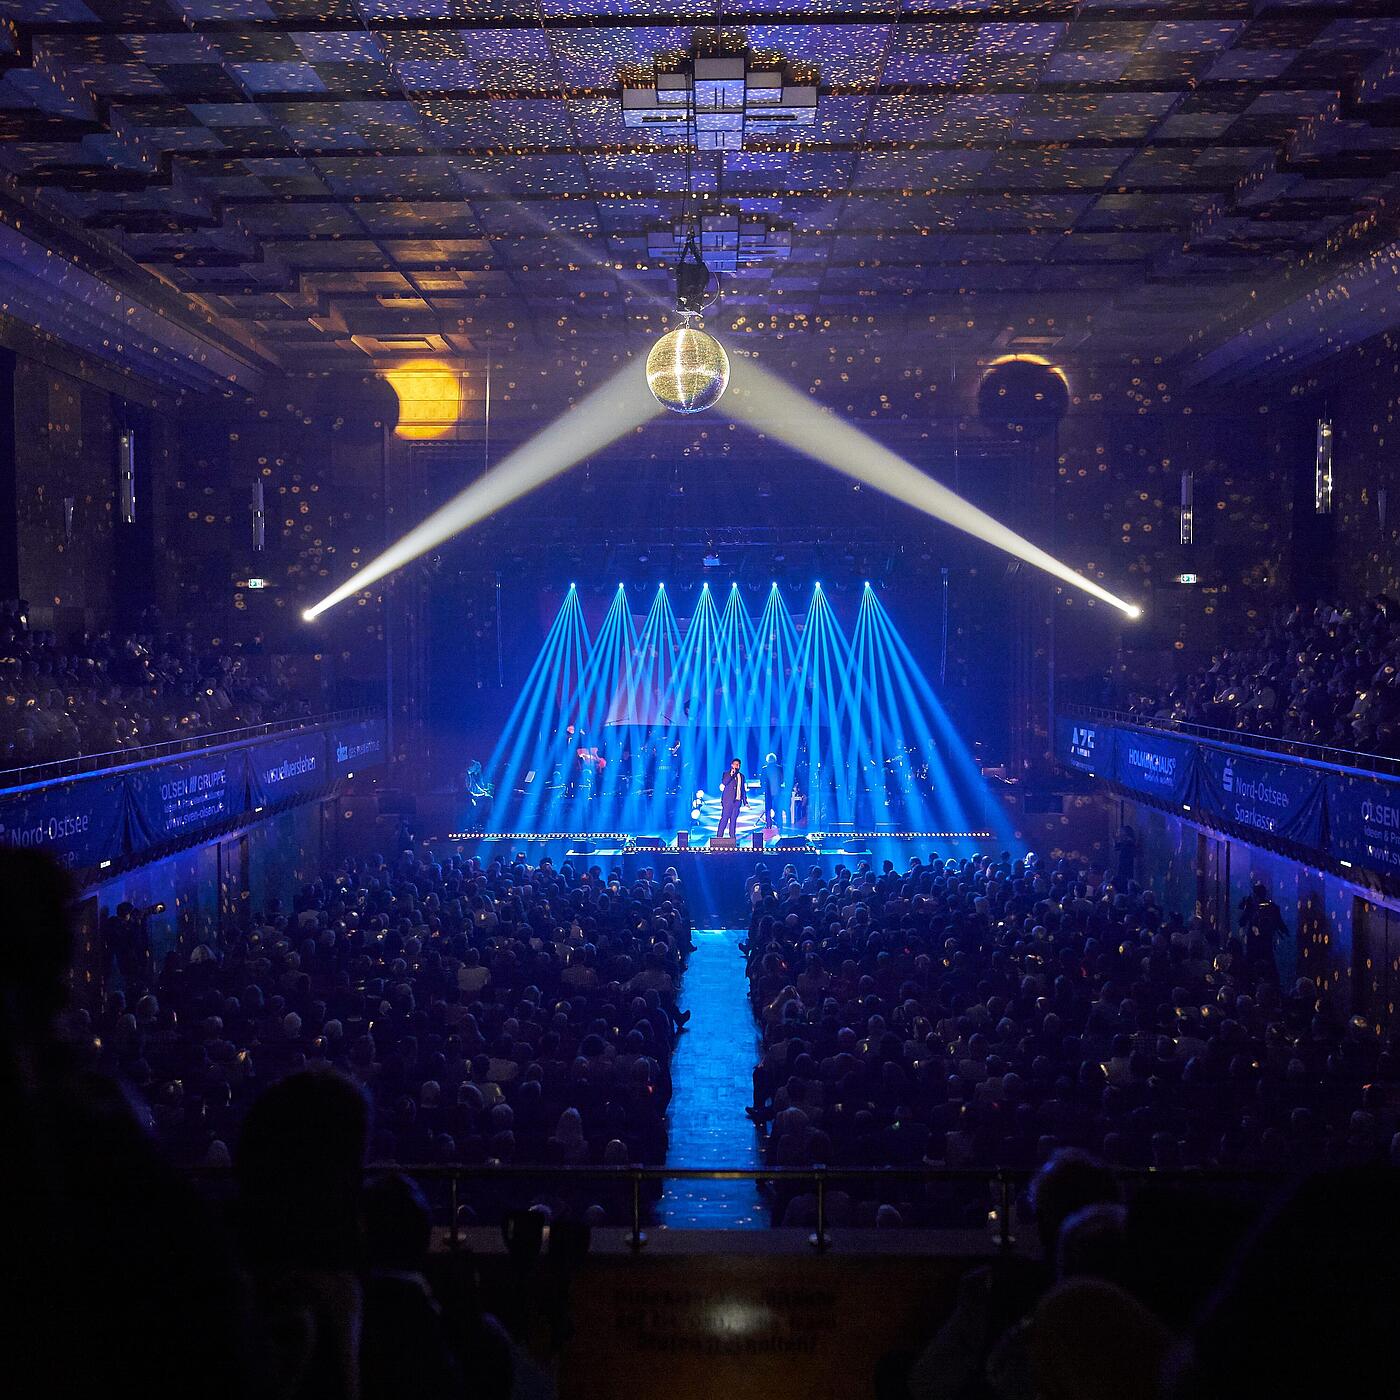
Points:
[(607, 413), (764, 402)]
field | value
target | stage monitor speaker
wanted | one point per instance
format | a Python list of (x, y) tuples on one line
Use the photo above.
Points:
[(649, 843), (790, 843), (682, 840), (723, 843), (756, 840)]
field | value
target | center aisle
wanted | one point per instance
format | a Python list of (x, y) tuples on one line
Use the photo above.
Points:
[(712, 1071)]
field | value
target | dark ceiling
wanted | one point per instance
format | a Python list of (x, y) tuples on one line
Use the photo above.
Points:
[(337, 180)]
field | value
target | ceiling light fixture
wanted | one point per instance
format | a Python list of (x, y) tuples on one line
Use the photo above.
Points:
[(687, 370), (714, 102)]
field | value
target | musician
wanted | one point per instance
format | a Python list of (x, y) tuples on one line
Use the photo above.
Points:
[(733, 794), (772, 791)]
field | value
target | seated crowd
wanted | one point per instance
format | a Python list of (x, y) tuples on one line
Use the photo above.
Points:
[(99, 694), (502, 1013), (985, 1012), (1323, 675)]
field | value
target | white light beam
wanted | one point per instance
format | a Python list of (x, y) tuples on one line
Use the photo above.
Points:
[(611, 410), (763, 401)]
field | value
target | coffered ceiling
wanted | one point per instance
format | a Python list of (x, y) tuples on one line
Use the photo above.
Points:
[(339, 181)]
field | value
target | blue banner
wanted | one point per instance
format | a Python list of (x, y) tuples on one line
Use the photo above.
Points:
[(358, 745), (1282, 799), (79, 823), (1084, 745), (183, 796), (1363, 822), (290, 767), (1153, 764)]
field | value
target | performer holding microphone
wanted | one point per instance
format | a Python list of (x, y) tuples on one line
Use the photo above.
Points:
[(733, 794)]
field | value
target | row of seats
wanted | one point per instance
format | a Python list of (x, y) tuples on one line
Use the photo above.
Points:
[(1329, 674), (496, 1013), (983, 1011), (101, 693)]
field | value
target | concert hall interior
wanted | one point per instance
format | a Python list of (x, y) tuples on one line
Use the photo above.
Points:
[(649, 649)]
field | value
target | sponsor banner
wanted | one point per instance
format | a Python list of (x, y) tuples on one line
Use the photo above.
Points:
[(1279, 799), (182, 796), (1155, 764), (1363, 822), (358, 745), (1084, 745), (290, 767), (79, 823)]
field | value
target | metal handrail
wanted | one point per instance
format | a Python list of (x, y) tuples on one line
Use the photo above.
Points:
[(112, 758), (1243, 738), (1005, 1180)]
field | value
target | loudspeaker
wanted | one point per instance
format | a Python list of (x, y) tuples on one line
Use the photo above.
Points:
[(723, 843), (790, 843), (649, 843), (682, 840), (756, 840)]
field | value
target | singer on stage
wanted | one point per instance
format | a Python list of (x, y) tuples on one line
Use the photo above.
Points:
[(733, 794)]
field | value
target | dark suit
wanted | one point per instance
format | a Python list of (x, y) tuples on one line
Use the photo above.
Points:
[(733, 794)]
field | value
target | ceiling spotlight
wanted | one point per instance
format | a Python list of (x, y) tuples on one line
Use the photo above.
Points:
[(693, 278)]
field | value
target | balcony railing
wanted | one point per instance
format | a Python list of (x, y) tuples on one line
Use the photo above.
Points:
[(1266, 743), (120, 758)]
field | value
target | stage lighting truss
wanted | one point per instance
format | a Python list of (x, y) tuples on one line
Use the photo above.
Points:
[(725, 240), (628, 839), (724, 100)]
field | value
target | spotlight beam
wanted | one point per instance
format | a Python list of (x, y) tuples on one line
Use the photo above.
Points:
[(610, 411), (764, 402)]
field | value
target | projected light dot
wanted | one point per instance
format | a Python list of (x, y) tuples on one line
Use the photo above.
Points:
[(687, 370)]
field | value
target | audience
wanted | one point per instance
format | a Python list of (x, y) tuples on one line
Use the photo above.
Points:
[(1323, 675), (985, 1012), (100, 694), (495, 1013), (989, 1010)]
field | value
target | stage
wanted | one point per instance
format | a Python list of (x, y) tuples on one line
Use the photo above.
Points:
[(715, 879)]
